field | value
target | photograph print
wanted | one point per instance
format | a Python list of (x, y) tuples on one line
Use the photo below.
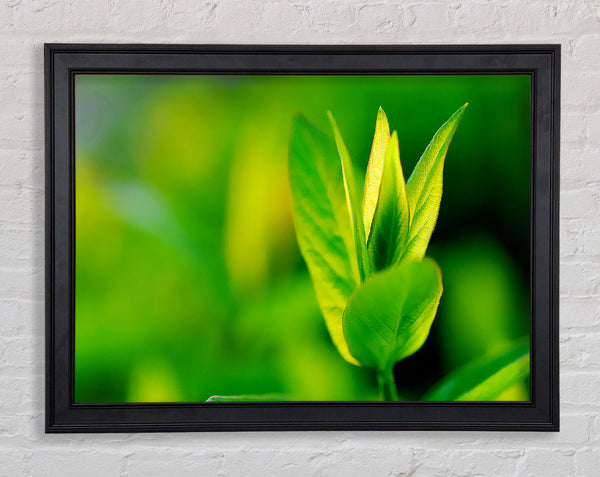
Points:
[(252, 238)]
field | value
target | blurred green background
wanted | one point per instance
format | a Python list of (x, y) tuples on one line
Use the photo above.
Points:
[(189, 281)]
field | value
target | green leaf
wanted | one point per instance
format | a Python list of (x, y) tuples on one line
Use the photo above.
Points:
[(391, 220), (322, 224), (360, 242), (388, 318), (485, 378), (248, 398), (424, 188), (374, 173)]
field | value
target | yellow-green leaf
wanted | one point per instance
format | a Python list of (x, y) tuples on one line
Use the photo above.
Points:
[(374, 173), (485, 378), (389, 316), (391, 220), (424, 188), (249, 398), (354, 208), (322, 224)]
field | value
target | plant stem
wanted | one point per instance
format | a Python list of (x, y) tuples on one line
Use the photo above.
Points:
[(387, 385)]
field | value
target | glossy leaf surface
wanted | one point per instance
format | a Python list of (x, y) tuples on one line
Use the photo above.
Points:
[(388, 318), (374, 173)]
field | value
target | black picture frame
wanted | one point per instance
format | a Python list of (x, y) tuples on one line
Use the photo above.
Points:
[(63, 61)]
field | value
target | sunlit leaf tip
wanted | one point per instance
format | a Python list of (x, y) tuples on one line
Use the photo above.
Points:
[(374, 173), (424, 187)]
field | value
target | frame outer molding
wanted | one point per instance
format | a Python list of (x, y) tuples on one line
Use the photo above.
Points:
[(63, 61)]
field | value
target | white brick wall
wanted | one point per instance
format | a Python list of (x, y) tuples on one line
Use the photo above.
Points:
[(26, 24)]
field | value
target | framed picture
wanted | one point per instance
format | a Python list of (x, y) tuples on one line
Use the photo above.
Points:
[(299, 238)]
